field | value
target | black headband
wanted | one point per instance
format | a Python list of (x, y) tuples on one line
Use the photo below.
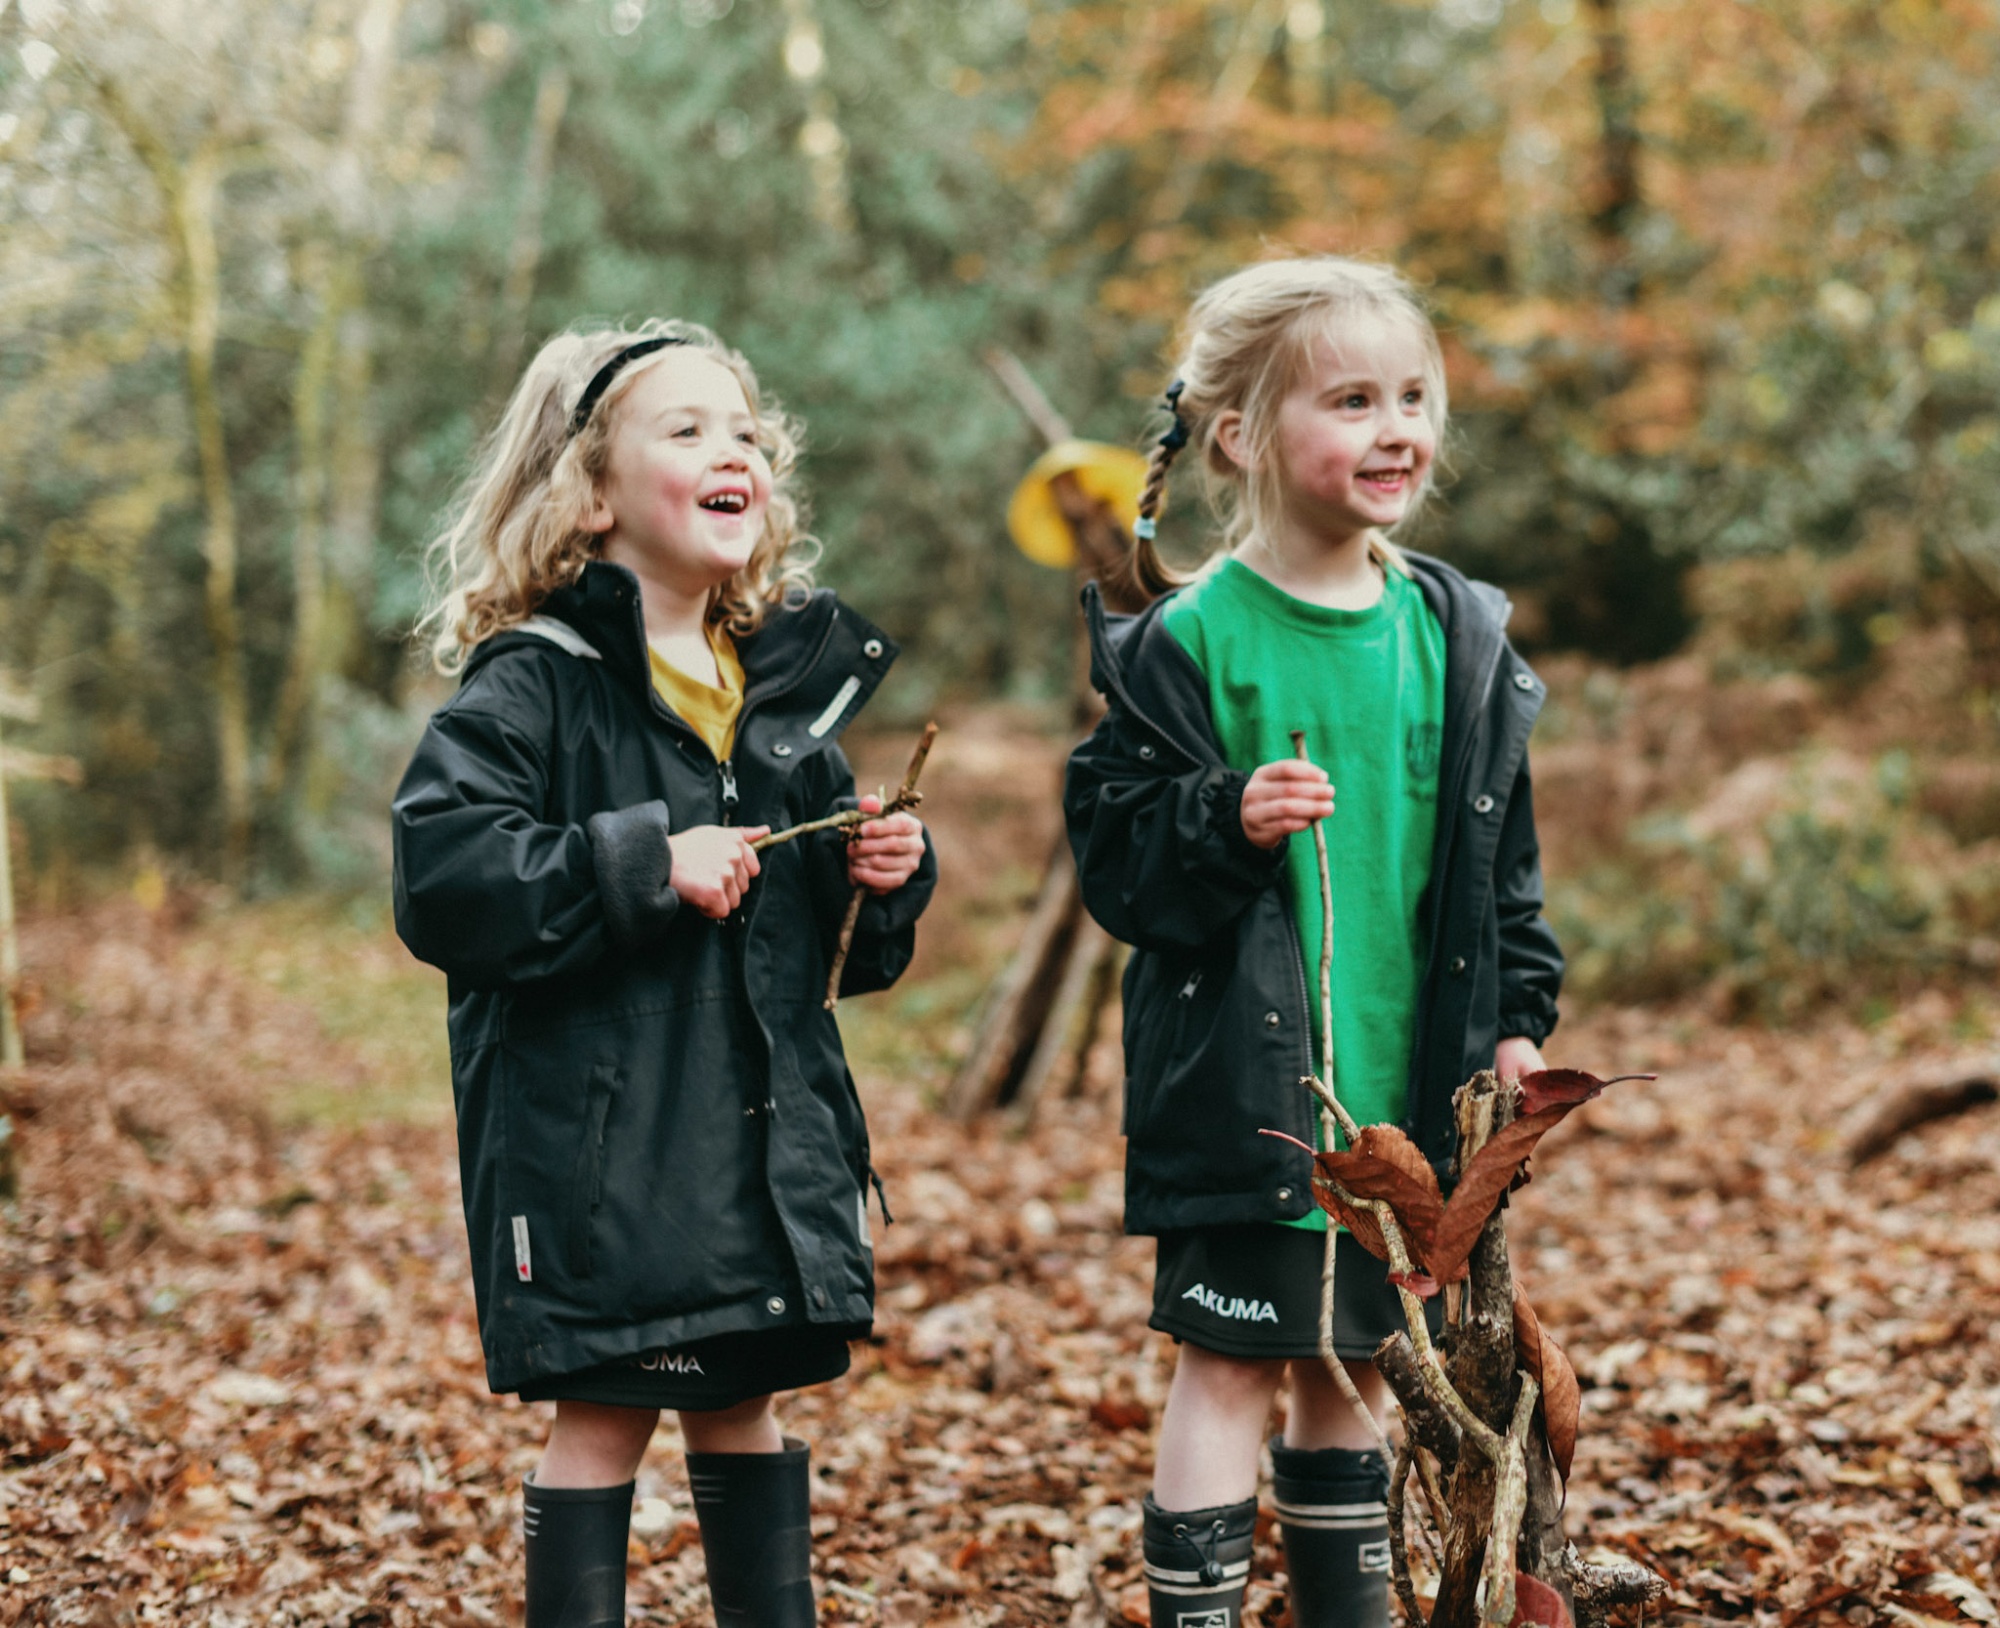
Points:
[(600, 381)]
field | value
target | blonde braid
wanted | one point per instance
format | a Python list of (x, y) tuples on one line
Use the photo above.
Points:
[(1146, 573)]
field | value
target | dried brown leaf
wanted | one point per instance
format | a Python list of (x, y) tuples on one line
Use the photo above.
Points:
[(1385, 1164), (1562, 1397), (1490, 1174), (1548, 1086)]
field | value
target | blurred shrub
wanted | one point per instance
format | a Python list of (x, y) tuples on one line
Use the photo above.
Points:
[(1803, 881)]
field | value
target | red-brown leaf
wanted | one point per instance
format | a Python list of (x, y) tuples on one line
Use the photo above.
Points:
[(1420, 1284), (1536, 1605), (1359, 1222), (1562, 1397), (1386, 1164), (1548, 1086), (1491, 1173)]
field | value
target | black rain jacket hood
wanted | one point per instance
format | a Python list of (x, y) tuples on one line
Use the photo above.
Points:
[(1217, 1019), (658, 1135)]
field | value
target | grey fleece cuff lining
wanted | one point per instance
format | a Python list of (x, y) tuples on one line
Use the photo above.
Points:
[(628, 847)]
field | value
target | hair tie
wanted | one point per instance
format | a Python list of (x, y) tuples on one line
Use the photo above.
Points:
[(600, 381), (1177, 436)]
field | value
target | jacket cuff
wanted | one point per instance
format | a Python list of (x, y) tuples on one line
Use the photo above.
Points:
[(898, 909), (628, 847), (1535, 1022), (1224, 796)]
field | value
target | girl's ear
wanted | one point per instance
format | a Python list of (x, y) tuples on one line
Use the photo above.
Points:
[(1229, 437), (598, 517)]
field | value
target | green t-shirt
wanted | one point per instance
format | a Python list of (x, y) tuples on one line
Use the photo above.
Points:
[(1367, 687)]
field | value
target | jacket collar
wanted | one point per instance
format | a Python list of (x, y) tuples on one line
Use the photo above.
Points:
[(1137, 662), (810, 645)]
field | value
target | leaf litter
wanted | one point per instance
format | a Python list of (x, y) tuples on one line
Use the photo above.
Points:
[(240, 1381)]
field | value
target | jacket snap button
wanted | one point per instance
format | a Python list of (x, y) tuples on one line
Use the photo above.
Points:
[(1524, 681), (1457, 965), (1284, 1195), (1482, 804), (1272, 1020), (775, 1305), (781, 750), (872, 649), (1146, 752)]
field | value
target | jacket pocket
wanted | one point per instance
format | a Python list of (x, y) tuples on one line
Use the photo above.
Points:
[(1168, 1013), (586, 1185)]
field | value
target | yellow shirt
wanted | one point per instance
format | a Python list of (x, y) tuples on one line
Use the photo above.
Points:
[(709, 710)]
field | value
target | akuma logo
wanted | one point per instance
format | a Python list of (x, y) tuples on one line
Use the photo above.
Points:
[(1202, 1619), (1235, 1307), (670, 1362)]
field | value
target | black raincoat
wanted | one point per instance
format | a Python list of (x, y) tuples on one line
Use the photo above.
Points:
[(658, 1134), (1217, 1019)]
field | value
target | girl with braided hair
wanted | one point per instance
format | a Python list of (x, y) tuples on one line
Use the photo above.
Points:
[(1313, 392)]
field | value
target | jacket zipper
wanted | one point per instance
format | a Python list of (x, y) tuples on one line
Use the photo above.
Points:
[(1448, 800), (1193, 983), (727, 769)]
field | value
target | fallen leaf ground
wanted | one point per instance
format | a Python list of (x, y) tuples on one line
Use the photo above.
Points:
[(240, 1381)]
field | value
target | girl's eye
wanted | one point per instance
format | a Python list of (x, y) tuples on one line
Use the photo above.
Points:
[(1413, 398), (1354, 402), (686, 430)]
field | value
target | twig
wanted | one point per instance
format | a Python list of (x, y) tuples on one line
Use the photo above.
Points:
[(837, 822), (1510, 1504), (906, 795), (1325, 928), (1399, 1547), (1331, 1115)]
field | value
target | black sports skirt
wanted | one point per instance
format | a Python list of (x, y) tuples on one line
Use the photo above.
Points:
[(1253, 1291), (705, 1375)]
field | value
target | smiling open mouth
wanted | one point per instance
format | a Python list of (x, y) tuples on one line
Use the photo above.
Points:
[(726, 503)]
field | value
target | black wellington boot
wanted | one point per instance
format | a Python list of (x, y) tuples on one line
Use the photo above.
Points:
[(1198, 1563), (1335, 1523), (576, 1554), (756, 1533)]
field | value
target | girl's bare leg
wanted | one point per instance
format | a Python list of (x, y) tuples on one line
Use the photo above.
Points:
[(1211, 1429), (749, 1427), (595, 1445), (1321, 1417)]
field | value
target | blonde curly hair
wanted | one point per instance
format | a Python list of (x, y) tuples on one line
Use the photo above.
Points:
[(515, 533), (1249, 339)]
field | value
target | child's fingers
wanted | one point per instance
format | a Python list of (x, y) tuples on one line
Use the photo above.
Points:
[(1293, 770)]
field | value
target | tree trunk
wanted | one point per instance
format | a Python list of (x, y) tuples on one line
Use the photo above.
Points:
[(1614, 208), (524, 254), (292, 721), (191, 200)]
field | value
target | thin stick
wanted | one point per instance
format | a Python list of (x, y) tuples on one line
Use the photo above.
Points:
[(837, 822), (1510, 1503), (1332, 1115), (1399, 1546), (906, 796), (1325, 928)]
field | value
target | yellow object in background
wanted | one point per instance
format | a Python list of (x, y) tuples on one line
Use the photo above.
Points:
[(1114, 475)]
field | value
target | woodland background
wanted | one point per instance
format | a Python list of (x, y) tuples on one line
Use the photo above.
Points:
[(1718, 287)]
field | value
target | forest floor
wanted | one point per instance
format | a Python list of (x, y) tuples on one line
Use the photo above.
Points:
[(240, 1379)]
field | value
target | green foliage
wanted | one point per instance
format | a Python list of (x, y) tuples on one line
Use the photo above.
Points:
[(1735, 305), (1830, 886)]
